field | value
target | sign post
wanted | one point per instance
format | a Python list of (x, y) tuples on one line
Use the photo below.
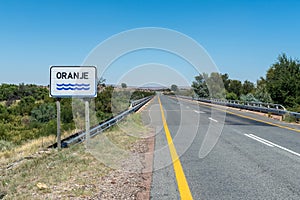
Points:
[(73, 82), (87, 122), (58, 124)]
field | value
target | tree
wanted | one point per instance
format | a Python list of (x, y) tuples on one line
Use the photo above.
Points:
[(248, 87), (123, 85), (215, 85), (235, 86), (283, 81), (174, 88), (261, 93), (226, 81), (199, 86), (103, 100)]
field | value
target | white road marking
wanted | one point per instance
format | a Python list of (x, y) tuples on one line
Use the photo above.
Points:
[(259, 140), (275, 145), (187, 107), (213, 119), (199, 112)]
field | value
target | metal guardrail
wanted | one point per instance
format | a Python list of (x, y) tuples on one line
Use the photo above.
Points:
[(295, 114), (80, 136), (275, 109), (136, 102)]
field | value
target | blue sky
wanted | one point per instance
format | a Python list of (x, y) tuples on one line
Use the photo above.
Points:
[(243, 37)]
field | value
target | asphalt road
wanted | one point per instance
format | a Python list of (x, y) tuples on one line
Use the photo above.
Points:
[(250, 160)]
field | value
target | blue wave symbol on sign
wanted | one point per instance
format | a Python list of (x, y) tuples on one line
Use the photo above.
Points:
[(72, 87)]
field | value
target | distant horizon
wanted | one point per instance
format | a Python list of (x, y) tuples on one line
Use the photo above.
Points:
[(107, 84)]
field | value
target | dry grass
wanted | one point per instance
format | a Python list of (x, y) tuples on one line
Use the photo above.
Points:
[(65, 174), (25, 150), (62, 172)]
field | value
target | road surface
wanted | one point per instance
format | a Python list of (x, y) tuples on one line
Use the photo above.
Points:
[(251, 159)]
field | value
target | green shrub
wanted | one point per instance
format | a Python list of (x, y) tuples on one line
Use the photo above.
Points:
[(4, 132), (231, 96), (44, 113), (289, 118), (47, 129)]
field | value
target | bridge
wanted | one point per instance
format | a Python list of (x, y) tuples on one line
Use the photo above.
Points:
[(254, 158)]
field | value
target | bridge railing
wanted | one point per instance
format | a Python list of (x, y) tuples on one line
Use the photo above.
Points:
[(270, 108), (136, 102), (80, 136)]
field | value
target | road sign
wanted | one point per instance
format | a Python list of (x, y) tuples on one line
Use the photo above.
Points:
[(73, 81)]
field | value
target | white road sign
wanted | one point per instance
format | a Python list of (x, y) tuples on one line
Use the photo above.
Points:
[(73, 81)]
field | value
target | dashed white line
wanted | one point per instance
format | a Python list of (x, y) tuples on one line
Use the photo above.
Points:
[(213, 119), (271, 144), (199, 112)]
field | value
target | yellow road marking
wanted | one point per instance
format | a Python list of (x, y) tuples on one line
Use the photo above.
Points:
[(243, 116), (182, 184), (259, 120)]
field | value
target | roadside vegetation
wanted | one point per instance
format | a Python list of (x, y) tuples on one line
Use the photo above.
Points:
[(28, 114), (280, 85)]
